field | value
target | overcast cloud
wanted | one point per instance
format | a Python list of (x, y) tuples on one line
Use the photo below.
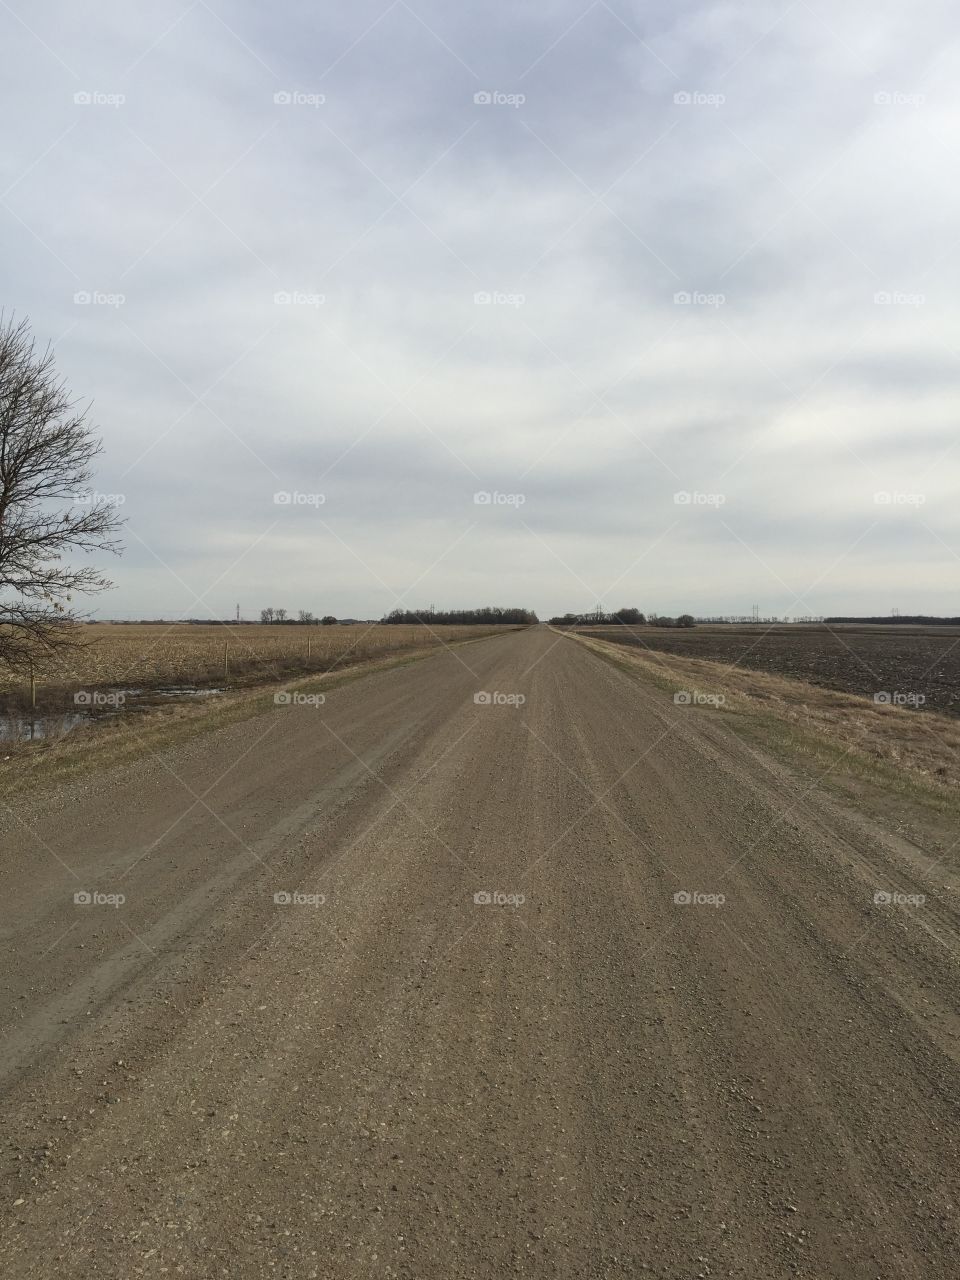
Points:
[(790, 167)]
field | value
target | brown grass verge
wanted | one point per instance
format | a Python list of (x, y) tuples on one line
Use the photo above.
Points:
[(849, 743)]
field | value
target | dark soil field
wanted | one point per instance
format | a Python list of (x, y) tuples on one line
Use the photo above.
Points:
[(914, 666)]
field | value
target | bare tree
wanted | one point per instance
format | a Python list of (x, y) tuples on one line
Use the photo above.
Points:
[(305, 615), (47, 450), (266, 615), (281, 615)]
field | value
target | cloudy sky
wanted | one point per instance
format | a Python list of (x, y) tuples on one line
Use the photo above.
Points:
[(673, 286)]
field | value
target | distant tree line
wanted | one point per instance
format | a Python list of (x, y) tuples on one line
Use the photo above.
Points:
[(682, 620), (622, 618), (280, 617), (597, 617), (916, 619), (488, 616)]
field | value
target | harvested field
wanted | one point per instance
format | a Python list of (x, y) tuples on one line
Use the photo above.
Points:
[(191, 656), (915, 666)]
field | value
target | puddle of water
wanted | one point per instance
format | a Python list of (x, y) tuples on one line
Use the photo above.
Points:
[(164, 691), (40, 726), (181, 693)]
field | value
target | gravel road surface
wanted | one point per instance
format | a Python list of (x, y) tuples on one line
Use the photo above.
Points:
[(675, 1035)]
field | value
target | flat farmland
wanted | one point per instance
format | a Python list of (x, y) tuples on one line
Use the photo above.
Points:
[(908, 663), (154, 655)]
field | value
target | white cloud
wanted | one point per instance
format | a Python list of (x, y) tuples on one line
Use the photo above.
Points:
[(798, 198)]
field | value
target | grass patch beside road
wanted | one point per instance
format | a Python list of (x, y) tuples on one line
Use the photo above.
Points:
[(888, 755)]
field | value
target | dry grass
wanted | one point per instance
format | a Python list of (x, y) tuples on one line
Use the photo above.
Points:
[(153, 655), (900, 749)]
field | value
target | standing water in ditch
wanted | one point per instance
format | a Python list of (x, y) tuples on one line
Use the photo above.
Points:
[(34, 724)]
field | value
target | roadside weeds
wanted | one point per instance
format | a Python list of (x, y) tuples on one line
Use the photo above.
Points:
[(894, 759)]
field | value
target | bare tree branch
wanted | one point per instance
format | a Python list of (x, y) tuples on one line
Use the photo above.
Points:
[(47, 451)]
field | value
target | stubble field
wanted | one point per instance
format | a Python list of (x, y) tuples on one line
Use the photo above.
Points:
[(157, 655)]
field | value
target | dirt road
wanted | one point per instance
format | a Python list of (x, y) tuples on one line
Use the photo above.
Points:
[(583, 1077)]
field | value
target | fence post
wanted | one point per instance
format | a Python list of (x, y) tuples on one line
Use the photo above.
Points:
[(226, 661), (33, 686)]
